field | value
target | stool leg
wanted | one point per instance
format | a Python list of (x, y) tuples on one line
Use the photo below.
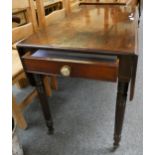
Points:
[(120, 110), (44, 102), (17, 114)]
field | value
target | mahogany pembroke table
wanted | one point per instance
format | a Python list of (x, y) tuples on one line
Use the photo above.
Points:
[(91, 41)]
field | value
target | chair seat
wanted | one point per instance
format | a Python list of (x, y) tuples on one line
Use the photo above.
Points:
[(16, 64)]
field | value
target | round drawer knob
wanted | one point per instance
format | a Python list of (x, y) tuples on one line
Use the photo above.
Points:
[(65, 70)]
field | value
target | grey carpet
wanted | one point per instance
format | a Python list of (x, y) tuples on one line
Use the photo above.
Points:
[(83, 113)]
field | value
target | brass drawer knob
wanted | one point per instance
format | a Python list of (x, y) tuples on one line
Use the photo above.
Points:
[(65, 70)]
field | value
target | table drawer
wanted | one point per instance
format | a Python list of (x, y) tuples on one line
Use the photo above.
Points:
[(54, 63)]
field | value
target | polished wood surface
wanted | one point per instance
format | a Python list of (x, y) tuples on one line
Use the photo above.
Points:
[(103, 29)]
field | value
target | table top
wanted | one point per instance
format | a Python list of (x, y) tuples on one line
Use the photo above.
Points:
[(90, 28)]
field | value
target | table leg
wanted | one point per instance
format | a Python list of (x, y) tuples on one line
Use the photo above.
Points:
[(120, 111), (44, 102)]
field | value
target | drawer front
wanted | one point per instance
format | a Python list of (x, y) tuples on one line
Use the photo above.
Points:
[(72, 68)]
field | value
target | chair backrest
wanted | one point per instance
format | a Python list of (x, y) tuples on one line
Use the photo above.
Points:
[(19, 4), (68, 5), (21, 32), (74, 3), (59, 14), (44, 20), (132, 2)]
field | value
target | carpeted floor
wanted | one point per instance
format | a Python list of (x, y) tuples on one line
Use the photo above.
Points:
[(83, 113)]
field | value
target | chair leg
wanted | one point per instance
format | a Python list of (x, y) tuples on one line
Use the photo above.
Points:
[(17, 114), (22, 83), (50, 84), (54, 83), (47, 86)]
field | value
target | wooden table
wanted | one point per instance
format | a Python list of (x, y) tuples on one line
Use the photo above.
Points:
[(94, 42)]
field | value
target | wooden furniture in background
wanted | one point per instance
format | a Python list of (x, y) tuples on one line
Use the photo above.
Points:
[(93, 42), (23, 31), (45, 20), (18, 75), (50, 6), (21, 13)]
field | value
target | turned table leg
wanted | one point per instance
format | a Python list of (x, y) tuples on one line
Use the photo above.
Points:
[(44, 102), (120, 111)]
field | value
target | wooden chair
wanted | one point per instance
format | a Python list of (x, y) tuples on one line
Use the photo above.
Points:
[(18, 74)]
